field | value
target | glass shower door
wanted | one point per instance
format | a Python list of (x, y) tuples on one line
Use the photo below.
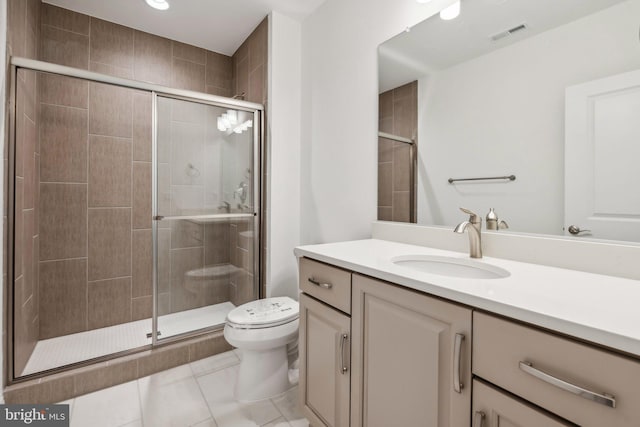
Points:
[(204, 221)]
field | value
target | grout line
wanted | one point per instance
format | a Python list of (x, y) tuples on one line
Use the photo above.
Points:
[(63, 259), (64, 29), (204, 397), (140, 399), (64, 183), (131, 194), (86, 287), (64, 106), (107, 207), (109, 279), (129, 139)]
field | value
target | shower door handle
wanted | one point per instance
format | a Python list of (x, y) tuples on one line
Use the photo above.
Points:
[(158, 218)]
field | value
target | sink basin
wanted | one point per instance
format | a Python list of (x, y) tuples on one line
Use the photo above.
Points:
[(452, 267)]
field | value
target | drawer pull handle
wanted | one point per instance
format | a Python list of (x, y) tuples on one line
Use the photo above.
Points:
[(603, 399), (322, 285), (343, 368), (478, 419), (457, 350)]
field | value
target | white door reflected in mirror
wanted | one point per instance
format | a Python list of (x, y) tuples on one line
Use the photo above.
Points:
[(601, 157)]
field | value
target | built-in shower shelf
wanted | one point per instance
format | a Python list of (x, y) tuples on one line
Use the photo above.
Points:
[(213, 271)]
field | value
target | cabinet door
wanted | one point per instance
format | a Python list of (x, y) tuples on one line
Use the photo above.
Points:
[(492, 408), (324, 363), (403, 361)]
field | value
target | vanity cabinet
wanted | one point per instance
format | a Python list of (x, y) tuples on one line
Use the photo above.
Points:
[(324, 363), (493, 408), (411, 358), (325, 337), (378, 354), (404, 356), (580, 383)]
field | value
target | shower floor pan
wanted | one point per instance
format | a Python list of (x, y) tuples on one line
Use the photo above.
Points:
[(65, 350)]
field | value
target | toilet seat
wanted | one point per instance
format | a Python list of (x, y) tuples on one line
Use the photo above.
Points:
[(264, 313)]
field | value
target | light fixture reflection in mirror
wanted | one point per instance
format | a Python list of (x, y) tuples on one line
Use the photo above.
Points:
[(493, 106)]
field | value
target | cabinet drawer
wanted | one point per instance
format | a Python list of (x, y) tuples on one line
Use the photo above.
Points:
[(329, 284), (550, 371), (493, 408)]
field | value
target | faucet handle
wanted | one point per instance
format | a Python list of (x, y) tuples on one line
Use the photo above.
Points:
[(473, 218)]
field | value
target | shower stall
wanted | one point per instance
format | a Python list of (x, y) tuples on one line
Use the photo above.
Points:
[(134, 215)]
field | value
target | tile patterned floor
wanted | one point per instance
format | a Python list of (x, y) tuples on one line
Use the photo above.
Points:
[(199, 394)]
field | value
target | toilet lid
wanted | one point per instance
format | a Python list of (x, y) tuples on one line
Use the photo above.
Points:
[(264, 312)]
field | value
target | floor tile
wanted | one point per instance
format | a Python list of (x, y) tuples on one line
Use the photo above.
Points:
[(206, 423), (217, 388), (176, 403), (288, 404), (176, 397), (166, 377), (280, 422), (114, 406), (69, 402), (214, 363)]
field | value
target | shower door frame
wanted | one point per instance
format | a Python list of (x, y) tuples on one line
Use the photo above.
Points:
[(259, 204)]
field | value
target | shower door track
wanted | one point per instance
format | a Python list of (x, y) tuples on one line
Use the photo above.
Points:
[(155, 90), (47, 67)]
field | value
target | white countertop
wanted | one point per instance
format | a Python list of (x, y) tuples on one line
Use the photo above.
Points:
[(593, 307)]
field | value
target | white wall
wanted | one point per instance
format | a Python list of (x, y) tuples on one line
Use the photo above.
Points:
[(479, 119), (3, 46), (283, 181), (339, 112)]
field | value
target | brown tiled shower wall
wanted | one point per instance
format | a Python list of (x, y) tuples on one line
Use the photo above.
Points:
[(86, 253), (23, 29), (397, 115), (250, 65)]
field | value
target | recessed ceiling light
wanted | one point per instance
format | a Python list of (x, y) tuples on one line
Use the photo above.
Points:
[(423, 1), (450, 12), (158, 4)]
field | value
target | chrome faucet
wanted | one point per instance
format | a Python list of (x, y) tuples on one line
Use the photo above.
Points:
[(226, 206), (473, 227)]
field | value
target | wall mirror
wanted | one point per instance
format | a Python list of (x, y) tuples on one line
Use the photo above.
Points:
[(544, 94)]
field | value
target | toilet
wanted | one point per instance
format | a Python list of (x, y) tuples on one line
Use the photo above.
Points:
[(266, 333)]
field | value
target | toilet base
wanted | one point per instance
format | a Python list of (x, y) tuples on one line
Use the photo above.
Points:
[(263, 374)]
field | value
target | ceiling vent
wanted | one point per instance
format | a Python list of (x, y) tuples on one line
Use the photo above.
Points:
[(508, 32)]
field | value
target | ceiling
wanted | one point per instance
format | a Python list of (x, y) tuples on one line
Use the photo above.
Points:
[(435, 44), (217, 25)]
